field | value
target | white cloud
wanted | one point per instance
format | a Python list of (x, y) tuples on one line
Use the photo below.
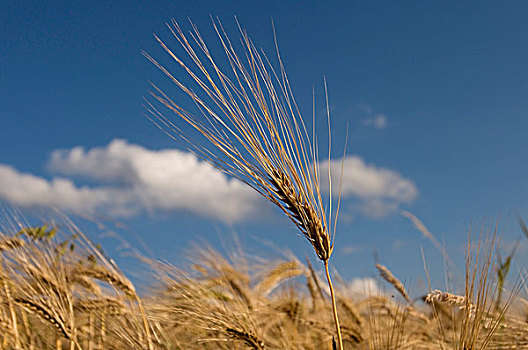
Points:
[(113, 163), (380, 191), (362, 288), (29, 190), (133, 178), (379, 121), (127, 178)]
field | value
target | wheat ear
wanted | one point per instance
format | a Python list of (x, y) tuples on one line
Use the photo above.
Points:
[(387, 275), (11, 243), (111, 306), (42, 312), (103, 274), (254, 129), (122, 283), (280, 273), (451, 299), (247, 337)]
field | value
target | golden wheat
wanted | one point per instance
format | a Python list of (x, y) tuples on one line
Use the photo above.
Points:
[(103, 274), (255, 132), (247, 337), (202, 309), (46, 314), (387, 275)]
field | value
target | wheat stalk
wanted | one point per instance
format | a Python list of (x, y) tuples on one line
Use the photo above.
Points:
[(43, 312), (256, 132), (352, 312), (103, 274), (280, 273), (387, 275), (12, 312), (84, 281), (122, 283), (111, 306)]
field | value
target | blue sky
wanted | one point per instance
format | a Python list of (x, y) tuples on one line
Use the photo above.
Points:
[(435, 95)]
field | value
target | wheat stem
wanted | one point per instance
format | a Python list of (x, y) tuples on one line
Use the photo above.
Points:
[(145, 323), (334, 308), (91, 330), (12, 313), (102, 339)]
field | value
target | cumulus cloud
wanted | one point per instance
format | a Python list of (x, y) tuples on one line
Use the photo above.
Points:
[(29, 190), (378, 121), (131, 178), (126, 179), (380, 191)]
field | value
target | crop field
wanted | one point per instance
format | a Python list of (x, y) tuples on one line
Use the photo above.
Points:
[(59, 291)]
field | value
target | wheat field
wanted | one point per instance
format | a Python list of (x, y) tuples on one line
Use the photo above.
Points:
[(60, 291)]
